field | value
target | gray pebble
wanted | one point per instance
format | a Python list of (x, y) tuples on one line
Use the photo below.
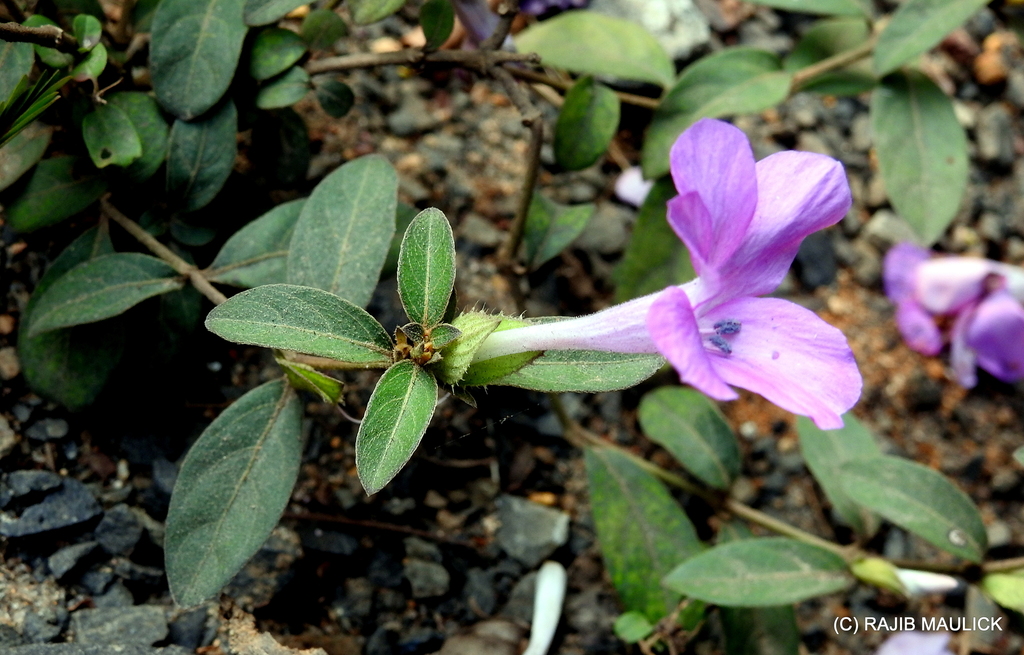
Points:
[(530, 532), (427, 579), (69, 505), (142, 625), (48, 429), (119, 530), (886, 229), (67, 558), (994, 135)]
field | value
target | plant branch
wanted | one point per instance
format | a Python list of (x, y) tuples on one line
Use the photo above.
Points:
[(835, 62), (49, 36), (507, 11), (326, 363), (541, 78), (509, 248), (193, 274), (479, 60)]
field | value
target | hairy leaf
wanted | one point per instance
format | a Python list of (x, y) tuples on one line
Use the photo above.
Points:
[(303, 319), (200, 156), (258, 253), (335, 98), (345, 229), (285, 90), (321, 28), (233, 486), (151, 127), (23, 152), (365, 12), (916, 26), (586, 124), (551, 227), (15, 62), (274, 50), (52, 194), (110, 136), (580, 371), (396, 417), (264, 12), (437, 18), (426, 267)]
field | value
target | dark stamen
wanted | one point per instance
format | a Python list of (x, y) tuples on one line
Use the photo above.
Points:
[(720, 343), (727, 326)]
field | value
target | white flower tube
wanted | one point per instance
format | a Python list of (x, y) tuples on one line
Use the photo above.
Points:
[(547, 607)]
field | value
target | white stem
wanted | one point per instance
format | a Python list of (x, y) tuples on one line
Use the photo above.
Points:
[(547, 607)]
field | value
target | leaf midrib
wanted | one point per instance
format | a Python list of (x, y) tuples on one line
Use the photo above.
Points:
[(41, 318)]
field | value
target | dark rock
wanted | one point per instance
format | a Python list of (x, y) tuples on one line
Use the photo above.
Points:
[(427, 579), (479, 592), (816, 260), (421, 549), (84, 649), (529, 531), (385, 570), (9, 637), (119, 530), (117, 595), (923, 393), (21, 483), (329, 542), (357, 602), (129, 570), (420, 639), (142, 625), (69, 505), (994, 135), (48, 429), (188, 629), (43, 627), (886, 229), (381, 642), (519, 607), (97, 580), (67, 558)]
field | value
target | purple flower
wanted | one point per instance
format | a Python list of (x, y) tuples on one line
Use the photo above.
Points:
[(478, 19), (743, 223), (916, 643), (982, 296), (537, 7)]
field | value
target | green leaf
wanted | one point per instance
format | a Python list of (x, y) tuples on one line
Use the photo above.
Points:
[(52, 194), (23, 152), (285, 90), (919, 500), (426, 267), (87, 30), (143, 13), (551, 227), (826, 39), (110, 136), (92, 66), (823, 7), (437, 18), (28, 101), (586, 124), (265, 12), (100, 288), (194, 52), (303, 319), (581, 371), (404, 213), (760, 630), (916, 26), (258, 253), (475, 328), (642, 530), (655, 257), (200, 156), (345, 229), (15, 63), (71, 365), (274, 50), (336, 98), (321, 28), (443, 334), (307, 378), (633, 626), (233, 486), (760, 573), (396, 417), (690, 426), (50, 56), (922, 151), (826, 451), (729, 82), (1007, 589), (191, 235), (365, 12), (151, 127), (588, 42)]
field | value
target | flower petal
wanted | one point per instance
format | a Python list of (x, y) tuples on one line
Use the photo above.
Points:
[(961, 357), (673, 328), (916, 643), (996, 335), (945, 284), (918, 328), (713, 160), (798, 193), (790, 356), (900, 270), (631, 187)]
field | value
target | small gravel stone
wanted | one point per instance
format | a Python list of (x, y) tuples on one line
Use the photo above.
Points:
[(530, 532), (886, 229), (327, 541), (427, 579), (69, 505), (268, 571), (10, 367), (608, 230), (82, 649), (520, 601), (119, 530), (994, 135), (677, 24), (422, 549), (142, 625), (999, 534), (117, 595), (479, 592), (8, 438), (39, 628), (817, 260), (357, 602), (21, 483), (48, 429), (188, 629), (67, 558)]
